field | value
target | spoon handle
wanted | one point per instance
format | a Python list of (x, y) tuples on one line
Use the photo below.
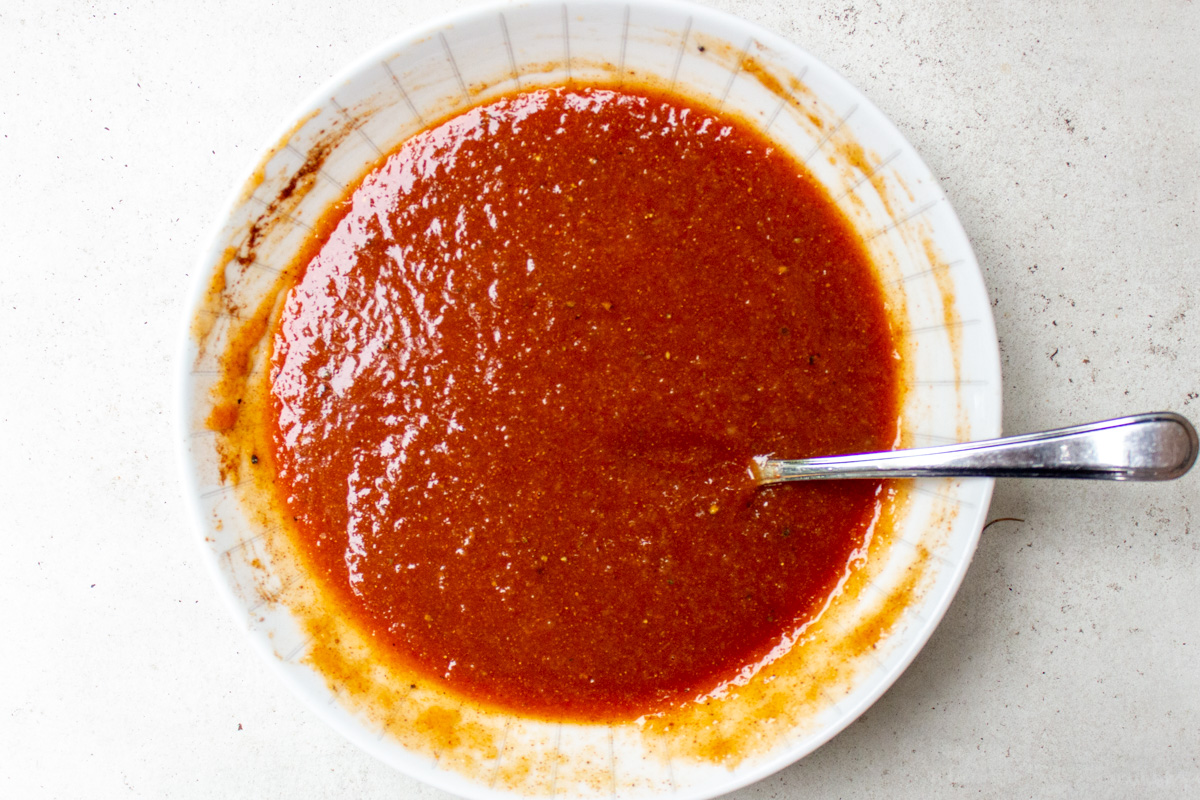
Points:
[(1146, 447)]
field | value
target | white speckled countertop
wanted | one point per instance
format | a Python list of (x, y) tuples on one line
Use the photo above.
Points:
[(1065, 135)]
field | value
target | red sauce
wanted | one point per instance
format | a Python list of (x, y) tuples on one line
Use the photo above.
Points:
[(518, 386)]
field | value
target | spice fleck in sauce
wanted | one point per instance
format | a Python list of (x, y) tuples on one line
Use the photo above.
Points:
[(516, 391)]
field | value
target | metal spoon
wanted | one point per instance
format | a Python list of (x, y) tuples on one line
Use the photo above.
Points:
[(1146, 447)]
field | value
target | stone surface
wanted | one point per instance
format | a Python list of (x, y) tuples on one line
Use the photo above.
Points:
[(1065, 136)]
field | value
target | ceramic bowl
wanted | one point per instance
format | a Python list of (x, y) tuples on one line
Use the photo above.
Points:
[(869, 633)]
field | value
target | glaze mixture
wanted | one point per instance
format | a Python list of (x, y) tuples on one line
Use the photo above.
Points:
[(517, 388)]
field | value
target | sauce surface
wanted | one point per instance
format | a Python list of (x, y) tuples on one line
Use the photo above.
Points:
[(516, 391)]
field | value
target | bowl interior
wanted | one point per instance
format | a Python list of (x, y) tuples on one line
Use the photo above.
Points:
[(926, 266)]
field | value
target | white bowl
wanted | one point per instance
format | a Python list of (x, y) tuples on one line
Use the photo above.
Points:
[(869, 633)]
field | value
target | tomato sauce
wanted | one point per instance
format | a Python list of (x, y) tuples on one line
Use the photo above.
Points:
[(517, 388)]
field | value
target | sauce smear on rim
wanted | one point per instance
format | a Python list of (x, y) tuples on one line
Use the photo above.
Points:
[(517, 388)]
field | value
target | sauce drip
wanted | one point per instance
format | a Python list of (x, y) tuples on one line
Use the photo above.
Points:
[(516, 391)]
